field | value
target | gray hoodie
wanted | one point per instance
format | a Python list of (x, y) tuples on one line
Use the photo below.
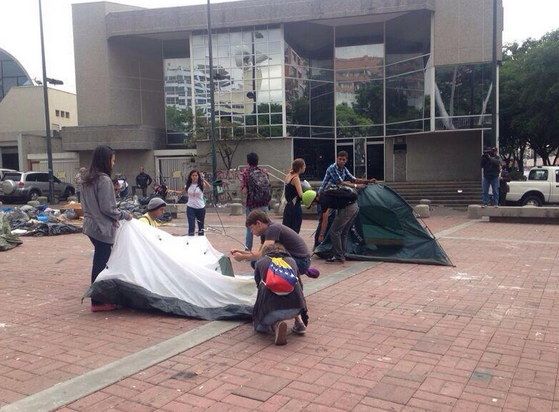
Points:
[(100, 210)]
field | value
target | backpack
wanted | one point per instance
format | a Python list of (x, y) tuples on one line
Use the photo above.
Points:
[(280, 277), (259, 187), (338, 197)]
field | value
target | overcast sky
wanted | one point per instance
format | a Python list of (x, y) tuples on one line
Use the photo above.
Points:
[(19, 29)]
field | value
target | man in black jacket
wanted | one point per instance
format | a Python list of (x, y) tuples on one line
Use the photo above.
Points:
[(490, 163), (143, 180)]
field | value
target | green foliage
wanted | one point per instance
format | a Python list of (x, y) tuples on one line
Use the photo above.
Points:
[(178, 120), (530, 96)]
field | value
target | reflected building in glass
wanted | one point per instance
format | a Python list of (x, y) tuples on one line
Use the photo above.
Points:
[(403, 86)]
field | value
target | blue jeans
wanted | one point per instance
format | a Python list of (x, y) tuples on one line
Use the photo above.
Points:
[(494, 183), (194, 215), (248, 240)]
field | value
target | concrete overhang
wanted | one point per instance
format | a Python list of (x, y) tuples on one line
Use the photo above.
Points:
[(250, 13), (132, 137)]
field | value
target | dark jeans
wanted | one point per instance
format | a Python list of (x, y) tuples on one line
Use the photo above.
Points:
[(144, 191), (100, 259), (79, 195), (194, 215), (339, 231)]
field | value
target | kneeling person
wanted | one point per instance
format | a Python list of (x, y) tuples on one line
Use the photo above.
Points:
[(156, 209), (280, 296), (260, 224)]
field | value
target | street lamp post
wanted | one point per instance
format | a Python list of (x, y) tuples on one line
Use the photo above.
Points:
[(494, 115), (212, 101), (47, 113)]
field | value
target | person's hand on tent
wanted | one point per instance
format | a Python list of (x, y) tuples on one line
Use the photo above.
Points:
[(360, 186), (321, 238), (373, 180), (128, 216)]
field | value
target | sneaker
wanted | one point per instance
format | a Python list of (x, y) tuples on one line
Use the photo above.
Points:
[(483, 206), (313, 273), (281, 334), (105, 307), (299, 328), (334, 259)]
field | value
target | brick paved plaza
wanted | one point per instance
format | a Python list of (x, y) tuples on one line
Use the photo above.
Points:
[(482, 336)]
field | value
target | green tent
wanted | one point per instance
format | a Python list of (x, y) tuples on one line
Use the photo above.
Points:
[(7, 240), (386, 230)]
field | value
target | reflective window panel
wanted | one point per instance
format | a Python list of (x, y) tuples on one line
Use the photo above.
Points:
[(318, 155)]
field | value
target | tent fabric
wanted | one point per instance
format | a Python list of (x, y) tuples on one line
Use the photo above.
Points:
[(386, 229), (7, 239), (186, 276)]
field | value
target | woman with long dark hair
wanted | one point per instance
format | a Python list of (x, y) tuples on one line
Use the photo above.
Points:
[(293, 214), (101, 214), (196, 206)]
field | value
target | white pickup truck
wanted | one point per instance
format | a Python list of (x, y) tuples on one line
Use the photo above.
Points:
[(541, 187)]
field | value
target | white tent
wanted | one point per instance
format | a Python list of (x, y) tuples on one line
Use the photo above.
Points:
[(151, 269)]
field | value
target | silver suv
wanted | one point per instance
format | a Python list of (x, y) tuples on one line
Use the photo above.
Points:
[(24, 186)]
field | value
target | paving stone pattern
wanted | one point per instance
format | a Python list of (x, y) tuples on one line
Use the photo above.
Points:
[(482, 336)]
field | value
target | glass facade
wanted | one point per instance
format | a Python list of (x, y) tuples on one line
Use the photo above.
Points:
[(330, 86), (248, 81), (463, 97), (11, 74)]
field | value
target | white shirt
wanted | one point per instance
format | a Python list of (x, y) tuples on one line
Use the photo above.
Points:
[(196, 197)]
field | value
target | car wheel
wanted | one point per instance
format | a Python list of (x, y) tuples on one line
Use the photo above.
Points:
[(70, 191), (532, 200), (33, 195)]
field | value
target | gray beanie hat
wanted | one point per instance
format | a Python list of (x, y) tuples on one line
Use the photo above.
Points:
[(156, 203)]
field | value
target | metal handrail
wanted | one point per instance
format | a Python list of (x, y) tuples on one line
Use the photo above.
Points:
[(268, 167)]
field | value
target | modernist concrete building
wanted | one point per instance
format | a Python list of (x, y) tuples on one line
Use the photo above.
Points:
[(404, 86)]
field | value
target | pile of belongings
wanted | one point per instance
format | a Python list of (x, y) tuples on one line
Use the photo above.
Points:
[(185, 276), (138, 207), (41, 221), (7, 239)]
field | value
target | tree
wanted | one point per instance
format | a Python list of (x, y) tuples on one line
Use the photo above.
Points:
[(513, 139), (530, 97)]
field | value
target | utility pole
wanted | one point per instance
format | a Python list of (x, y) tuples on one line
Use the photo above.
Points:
[(47, 113), (494, 116), (212, 103)]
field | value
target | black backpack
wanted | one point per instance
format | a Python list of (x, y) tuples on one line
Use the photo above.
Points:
[(337, 197), (259, 187)]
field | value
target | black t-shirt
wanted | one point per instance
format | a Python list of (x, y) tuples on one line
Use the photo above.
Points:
[(294, 243)]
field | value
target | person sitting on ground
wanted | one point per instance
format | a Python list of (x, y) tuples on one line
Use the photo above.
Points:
[(260, 224), (280, 296), (156, 209)]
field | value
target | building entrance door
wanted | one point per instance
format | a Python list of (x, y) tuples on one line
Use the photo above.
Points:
[(375, 161), (365, 160)]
